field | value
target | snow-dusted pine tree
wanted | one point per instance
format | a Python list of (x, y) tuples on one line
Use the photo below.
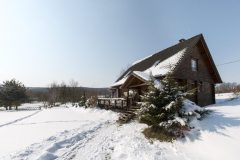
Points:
[(82, 101), (162, 109)]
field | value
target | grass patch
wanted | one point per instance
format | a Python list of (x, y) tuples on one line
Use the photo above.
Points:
[(159, 133)]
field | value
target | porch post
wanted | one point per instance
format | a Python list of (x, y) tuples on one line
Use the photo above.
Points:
[(118, 93), (115, 103), (128, 98), (139, 94), (112, 92)]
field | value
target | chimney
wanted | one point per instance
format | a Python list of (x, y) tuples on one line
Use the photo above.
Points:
[(182, 40)]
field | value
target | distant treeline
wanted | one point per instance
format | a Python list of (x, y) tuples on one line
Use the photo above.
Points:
[(64, 93), (13, 93), (227, 87), (35, 91)]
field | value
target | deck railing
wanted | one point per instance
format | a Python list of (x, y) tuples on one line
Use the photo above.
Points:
[(113, 103)]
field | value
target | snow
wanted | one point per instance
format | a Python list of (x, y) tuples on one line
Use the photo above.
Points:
[(223, 97), (190, 108), (177, 120), (158, 84), (49, 133), (157, 69), (162, 68), (180, 120), (169, 106), (142, 75), (78, 133), (120, 82)]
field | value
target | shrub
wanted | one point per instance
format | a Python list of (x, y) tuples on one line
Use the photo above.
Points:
[(91, 102), (82, 101)]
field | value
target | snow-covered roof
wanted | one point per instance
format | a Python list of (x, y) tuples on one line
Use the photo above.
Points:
[(120, 82), (143, 75), (157, 69), (162, 68), (147, 62), (140, 74)]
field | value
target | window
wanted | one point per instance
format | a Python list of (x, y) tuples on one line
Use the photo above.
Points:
[(194, 64)]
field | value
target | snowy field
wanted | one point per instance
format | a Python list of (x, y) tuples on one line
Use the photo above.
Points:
[(78, 133)]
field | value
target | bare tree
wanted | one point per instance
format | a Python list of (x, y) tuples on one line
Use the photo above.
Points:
[(74, 92), (63, 93), (53, 94), (227, 87)]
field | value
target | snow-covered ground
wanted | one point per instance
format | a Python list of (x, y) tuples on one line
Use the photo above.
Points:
[(78, 133)]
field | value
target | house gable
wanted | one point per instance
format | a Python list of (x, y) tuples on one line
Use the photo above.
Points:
[(206, 72), (203, 78), (134, 80)]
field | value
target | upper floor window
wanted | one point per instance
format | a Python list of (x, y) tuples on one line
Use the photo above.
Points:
[(194, 64)]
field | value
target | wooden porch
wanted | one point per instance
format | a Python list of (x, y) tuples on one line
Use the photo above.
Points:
[(116, 103), (113, 103), (127, 95)]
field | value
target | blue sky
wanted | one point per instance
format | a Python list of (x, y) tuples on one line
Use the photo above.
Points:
[(91, 41)]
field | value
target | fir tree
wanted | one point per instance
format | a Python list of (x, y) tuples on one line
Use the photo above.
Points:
[(12, 94), (162, 108), (82, 101)]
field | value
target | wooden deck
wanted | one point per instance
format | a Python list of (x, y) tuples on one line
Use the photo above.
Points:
[(113, 103), (124, 106)]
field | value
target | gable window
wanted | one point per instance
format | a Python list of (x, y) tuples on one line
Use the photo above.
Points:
[(194, 64)]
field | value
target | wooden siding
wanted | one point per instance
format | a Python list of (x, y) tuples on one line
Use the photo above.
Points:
[(205, 94), (184, 70), (202, 79)]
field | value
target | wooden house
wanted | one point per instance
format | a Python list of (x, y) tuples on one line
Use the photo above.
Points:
[(190, 63)]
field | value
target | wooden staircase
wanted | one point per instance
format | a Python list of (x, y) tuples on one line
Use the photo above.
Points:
[(128, 115)]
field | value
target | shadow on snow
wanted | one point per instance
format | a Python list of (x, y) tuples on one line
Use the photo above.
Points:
[(216, 122)]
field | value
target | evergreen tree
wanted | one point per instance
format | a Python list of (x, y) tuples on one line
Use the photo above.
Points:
[(12, 94), (82, 101), (162, 108)]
